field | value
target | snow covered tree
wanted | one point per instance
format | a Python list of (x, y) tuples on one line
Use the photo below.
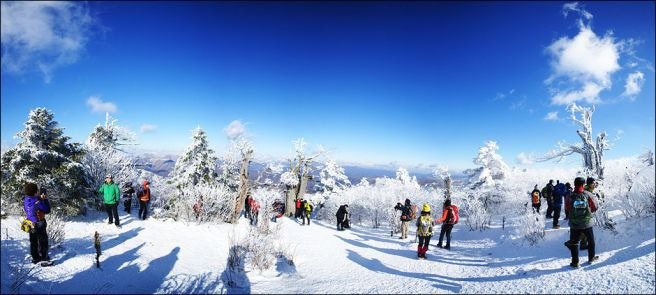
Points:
[(296, 178), (196, 166), (491, 170), (591, 150), (105, 155), (486, 185), (235, 172), (46, 157), (443, 174)]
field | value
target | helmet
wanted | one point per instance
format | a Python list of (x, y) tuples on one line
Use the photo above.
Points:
[(426, 207)]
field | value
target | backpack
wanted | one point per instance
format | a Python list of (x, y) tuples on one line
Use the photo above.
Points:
[(424, 228), (535, 196), (580, 213), (453, 219), (560, 190), (413, 211), (27, 225)]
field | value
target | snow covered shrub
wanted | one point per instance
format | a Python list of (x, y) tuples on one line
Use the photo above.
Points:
[(56, 224), (531, 226), (236, 261), (477, 216), (44, 156)]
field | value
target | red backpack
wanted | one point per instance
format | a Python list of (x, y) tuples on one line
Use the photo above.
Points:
[(453, 219)]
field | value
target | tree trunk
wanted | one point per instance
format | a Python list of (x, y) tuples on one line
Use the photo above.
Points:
[(243, 185)]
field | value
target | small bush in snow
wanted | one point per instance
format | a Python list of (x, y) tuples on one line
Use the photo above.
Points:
[(56, 224), (531, 226)]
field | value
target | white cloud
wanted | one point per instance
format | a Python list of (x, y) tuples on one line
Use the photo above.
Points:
[(525, 159), (235, 129), (633, 84), (41, 36), (551, 116), (574, 6), (586, 63), (147, 128), (99, 106)]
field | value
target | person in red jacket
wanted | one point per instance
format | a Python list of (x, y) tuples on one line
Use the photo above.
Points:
[(448, 219), (144, 199)]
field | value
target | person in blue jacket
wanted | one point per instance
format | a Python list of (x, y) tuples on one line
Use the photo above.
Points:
[(36, 208)]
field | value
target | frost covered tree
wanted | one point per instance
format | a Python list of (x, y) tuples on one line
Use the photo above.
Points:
[(196, 167), (443, 174), (332, 178), (46, 157), (296, 178), (105, 154), (486, 185), (235, 172), (491, 171), (592, 150)]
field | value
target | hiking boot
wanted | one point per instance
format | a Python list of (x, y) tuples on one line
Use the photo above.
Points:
[(574, 265), (439, 246), (593, 259), (35, 261), (110, 222), (447, 247)]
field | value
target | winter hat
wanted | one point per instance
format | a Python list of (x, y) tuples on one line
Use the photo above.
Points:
[(108, 176), (407, 201), (447, 203), (590, 180), (43, 191), (426, 207), (579, 181)]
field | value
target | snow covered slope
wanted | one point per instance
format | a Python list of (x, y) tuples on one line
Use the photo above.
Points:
[(156, 256)]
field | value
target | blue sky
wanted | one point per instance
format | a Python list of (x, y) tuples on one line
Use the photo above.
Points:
[(372, 82)]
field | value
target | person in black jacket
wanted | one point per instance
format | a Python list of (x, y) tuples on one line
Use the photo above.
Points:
[(341, 216), (406, 210), (128, 190)]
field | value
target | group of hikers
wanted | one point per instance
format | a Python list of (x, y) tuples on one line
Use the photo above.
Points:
[(579, 204), (36, 205), (425, 224), (112, 195)]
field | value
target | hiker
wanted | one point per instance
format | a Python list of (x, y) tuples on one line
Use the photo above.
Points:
[(247, 206), (341, 216), (559, 192), (36, 208), (128, 190), (406, 212), (590, 185), (198, 207), (254, 210), (424, 230), (449, 219), (581, 205), (547, 193), (307, 211), (111, 194), (299, 201), (144, 199), (569, 191), (535, 199)]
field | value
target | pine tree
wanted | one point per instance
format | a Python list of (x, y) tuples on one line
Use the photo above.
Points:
[(104, 154), (45, 156), (193, 176)]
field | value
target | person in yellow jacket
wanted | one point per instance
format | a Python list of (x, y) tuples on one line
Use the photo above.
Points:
[(307, 210), (424, 230)]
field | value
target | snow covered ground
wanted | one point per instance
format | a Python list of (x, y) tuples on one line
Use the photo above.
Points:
[(156, 256)]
